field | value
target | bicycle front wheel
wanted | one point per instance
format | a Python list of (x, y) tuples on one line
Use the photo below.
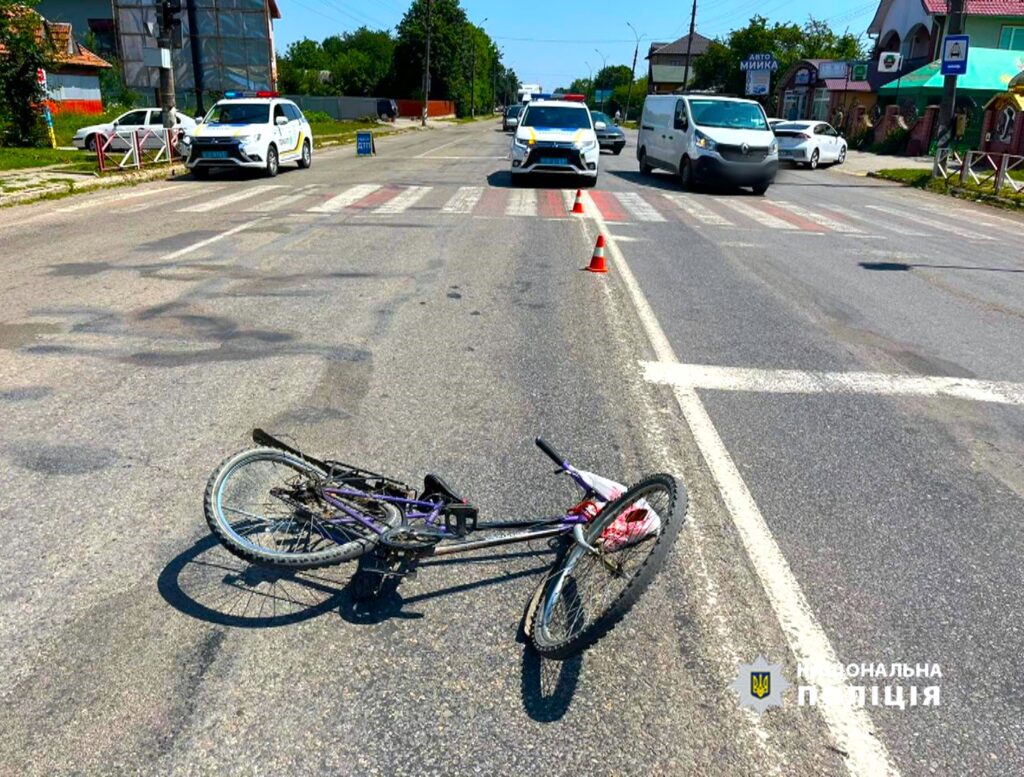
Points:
[(265, 506), (589, 590)]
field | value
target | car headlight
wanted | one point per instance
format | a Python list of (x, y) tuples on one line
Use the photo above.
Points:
[(587, 145), (245, 140), (522, 142), (773, 149), (703, 141)]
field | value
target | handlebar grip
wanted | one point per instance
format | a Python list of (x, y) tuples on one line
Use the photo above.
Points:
[(554, 455)]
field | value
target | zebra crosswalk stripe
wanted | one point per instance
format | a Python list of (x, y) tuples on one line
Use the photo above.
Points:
[(820, 218), (522, 202), (641, 209), (230, 199), (941, 225), (284, 200), (348, 197), (408, 197), (695, 210), (463, 200), (756, 214)]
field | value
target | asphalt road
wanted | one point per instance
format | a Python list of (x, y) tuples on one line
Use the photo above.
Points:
[(871, 518)]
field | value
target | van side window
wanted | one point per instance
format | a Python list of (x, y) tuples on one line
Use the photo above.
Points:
[(679, 120)]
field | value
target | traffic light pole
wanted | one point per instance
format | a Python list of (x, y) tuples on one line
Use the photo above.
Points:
[(170, 18), (946, 127)]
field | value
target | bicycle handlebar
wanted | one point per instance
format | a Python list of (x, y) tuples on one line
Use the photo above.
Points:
[(554, 455)]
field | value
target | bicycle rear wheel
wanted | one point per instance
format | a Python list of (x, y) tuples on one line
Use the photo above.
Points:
[(588, 591), (264, 506)]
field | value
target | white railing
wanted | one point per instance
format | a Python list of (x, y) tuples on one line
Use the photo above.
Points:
[(123, 149), (983, 169)]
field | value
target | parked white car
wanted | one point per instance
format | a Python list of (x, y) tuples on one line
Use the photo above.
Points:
[(810, 143), (139, 119), (708, 138), (249, 129)]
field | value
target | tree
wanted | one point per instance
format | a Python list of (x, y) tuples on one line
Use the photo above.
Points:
[(719, 68), (27, 49), (355, 63), (447, 57)]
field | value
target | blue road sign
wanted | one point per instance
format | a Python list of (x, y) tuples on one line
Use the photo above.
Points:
[(954, 54), (364, 144)]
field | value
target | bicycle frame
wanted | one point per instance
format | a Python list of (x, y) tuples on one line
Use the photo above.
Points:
[(430, 514)]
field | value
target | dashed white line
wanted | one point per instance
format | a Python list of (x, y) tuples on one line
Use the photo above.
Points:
[(203, 243)]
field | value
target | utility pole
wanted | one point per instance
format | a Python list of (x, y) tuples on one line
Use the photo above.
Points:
[(947, 129), (689, 47), (604, 66), (197, 58), (426, 75), (170, 30), (632, 71), (472, 77)]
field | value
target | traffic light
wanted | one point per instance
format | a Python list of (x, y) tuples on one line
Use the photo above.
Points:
[(170, 19)]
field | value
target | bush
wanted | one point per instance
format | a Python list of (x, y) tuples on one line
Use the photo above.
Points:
[(893, 143), (319, 117)]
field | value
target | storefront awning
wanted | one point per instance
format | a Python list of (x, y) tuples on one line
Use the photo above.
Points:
[(988, 70)]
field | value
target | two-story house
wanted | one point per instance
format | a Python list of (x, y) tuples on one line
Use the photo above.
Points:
[(666, 63)]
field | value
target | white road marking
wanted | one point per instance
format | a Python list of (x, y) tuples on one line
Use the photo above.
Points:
[(940, 225), (694, 209), (819, 218), (522, 202), (229, 199), (438, 148), (703, 376), (182, 193), (850, 726), (874, 221), (284, 200), (214, 239), (118, 197), (465, 157), (346, 198), (464, 200), (640, 208), (407, 198), (762, 218)]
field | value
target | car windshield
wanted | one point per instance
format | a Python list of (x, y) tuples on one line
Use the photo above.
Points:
[(725, 113), (557, 117), (598, 116), (513, 110), (239, 113)]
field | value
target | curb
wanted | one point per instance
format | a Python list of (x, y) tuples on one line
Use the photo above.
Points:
[(92, 184)]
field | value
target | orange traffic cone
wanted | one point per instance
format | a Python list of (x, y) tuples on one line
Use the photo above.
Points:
[(597, 260), (578, 205)]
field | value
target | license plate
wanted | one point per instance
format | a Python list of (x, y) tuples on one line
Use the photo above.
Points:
[(783, 152), (215, 154), (549, 160)]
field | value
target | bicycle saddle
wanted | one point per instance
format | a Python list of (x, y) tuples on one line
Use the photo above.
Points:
[(434, 484)]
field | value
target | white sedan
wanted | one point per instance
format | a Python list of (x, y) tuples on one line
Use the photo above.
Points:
[(810, 143), (140, 119)]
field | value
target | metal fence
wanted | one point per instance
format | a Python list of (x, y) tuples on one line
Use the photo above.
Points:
[(338, 107), (983, 169), (123, 149)]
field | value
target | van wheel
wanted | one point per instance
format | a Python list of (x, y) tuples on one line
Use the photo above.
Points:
[(760, 189), (686, 173), (645, 169)]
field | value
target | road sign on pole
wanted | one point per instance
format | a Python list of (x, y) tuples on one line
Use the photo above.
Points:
[(758, 82), (954, 54)]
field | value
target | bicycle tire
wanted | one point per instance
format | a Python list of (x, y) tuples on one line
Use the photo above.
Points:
[(561, 584), (245, 548)]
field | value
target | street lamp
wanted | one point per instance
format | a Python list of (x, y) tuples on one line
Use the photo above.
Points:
[(632, 71), (426, 75), (604, 64), (472, 80)]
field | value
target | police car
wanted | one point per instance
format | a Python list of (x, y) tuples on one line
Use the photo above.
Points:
[(249, 129), (556, 135)]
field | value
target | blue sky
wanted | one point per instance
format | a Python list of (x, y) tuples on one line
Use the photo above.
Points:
[(550, 42)]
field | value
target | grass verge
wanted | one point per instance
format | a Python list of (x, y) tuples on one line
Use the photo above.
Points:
[(922, 179)]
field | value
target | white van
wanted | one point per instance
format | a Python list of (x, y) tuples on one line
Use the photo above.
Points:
[(708, 138)]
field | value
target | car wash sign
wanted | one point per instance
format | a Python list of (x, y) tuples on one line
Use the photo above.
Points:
[(759, 68)]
